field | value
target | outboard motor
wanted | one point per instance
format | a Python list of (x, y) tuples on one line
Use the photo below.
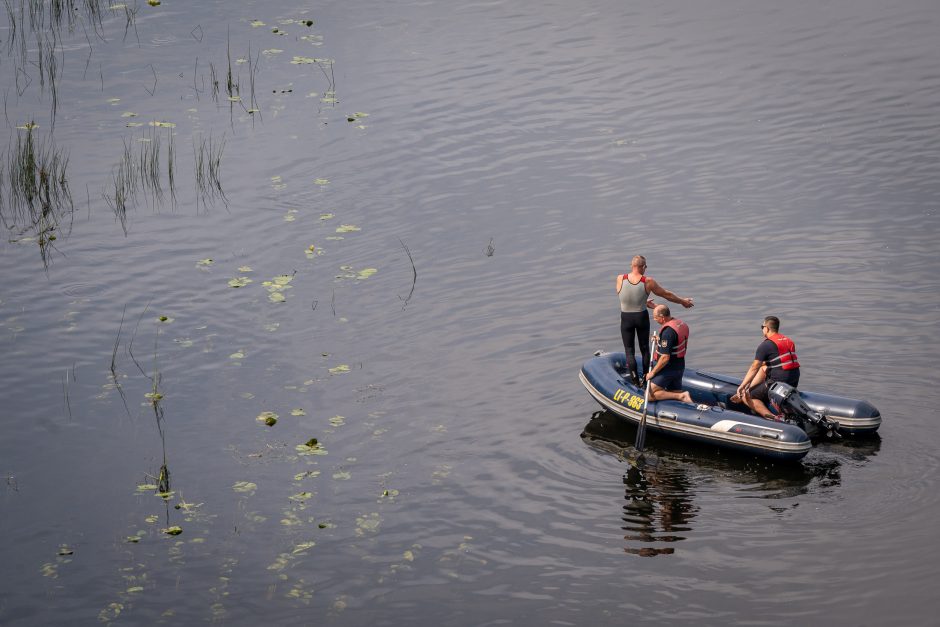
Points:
[(785, 399)]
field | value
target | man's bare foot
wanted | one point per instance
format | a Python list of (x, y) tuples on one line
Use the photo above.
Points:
[(686, 398), (735, 398)]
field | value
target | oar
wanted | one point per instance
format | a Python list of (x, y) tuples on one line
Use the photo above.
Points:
[(641, 430)]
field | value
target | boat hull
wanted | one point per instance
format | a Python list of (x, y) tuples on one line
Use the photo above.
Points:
[(713, 420)]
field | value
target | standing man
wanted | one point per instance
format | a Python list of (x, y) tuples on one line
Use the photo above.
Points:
[(634, 289), (775, 360), (666, 376)]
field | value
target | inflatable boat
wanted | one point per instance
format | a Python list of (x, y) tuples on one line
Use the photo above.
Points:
[(714, 419)]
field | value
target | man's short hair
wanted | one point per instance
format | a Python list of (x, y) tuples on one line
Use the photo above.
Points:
[(663, 310), (772, 323), (637, 260)]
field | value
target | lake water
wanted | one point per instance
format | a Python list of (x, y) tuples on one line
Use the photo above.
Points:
[(471, 177)]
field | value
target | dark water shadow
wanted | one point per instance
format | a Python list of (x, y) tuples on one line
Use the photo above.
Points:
[(660, 487)]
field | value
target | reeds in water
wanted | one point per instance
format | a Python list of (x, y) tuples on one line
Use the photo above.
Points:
[(140, 171), (37, 180), (208, 155)]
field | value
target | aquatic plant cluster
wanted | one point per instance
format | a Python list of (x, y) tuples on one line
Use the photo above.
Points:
[(35, 179), (36, 200)]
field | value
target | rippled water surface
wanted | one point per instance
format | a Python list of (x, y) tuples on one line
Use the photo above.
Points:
[(439, 197)]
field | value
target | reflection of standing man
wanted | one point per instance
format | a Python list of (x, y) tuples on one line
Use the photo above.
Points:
[(775, 360), (665, 379), (634, 290)]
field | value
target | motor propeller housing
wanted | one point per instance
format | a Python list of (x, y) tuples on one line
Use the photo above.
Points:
[(786, 400)]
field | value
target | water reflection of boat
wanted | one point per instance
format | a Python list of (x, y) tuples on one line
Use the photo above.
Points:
[(714, 419), (659, 492)]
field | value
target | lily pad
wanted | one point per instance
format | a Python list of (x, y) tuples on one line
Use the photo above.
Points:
[(241, 281), (347, 228), (337, 421), (298, 412), (341, 369), (245, 487), (175, 530), (268, 417)]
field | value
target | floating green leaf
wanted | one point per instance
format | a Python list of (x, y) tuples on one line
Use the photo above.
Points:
[(347, 228), (276, 297), (300, 496), (175, 530), (311, 447), (268, 417), (322, 181), (245, 269), (204, 262), (241, 281), (165, 319), (327, 216), (368, 523), (245, 487), (237, 355), (161, 124), (365, 273), (302, 60), (342, 475), (337, 421), (257, 23), (298, 412), (303, 546)]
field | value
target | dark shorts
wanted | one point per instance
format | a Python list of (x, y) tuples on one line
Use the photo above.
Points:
[(760, 391), (669, 380)]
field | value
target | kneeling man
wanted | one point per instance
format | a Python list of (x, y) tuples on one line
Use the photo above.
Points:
[(665, 378)]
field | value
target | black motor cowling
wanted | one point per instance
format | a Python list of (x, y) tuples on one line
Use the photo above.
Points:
[(787, 401)]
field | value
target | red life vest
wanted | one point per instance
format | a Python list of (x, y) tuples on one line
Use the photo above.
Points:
[(682, 330), (787, 349), (642, 279)]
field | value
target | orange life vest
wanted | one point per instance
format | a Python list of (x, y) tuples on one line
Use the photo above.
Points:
[(787, 349), (682, 330)]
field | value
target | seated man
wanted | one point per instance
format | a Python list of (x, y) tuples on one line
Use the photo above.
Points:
[(665, 378), (775, 360)]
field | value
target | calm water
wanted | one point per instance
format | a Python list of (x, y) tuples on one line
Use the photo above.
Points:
[(766, 157)]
